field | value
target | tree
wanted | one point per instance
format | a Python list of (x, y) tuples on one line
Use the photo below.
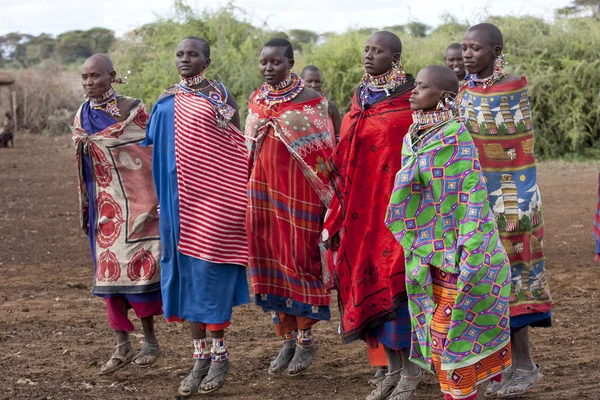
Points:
[(417, 29), (579, 7), (298, 37), (74, 46), (13, 47), (395, 28)]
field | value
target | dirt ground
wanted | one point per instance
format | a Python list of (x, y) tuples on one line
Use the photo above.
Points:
[(54, 337)]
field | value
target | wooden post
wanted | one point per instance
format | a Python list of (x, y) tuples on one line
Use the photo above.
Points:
[(14, 107), (24, 107)]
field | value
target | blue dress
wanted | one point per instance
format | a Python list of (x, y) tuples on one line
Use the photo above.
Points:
[(193, 289)]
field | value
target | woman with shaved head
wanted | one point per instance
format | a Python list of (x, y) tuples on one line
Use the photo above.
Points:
[(288, 192), (200, 165), (454, 61), (369, 264), (496, 108), (457, 272), (119, 209), (313, 78)]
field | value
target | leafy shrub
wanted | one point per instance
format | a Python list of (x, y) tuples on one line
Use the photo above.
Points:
[(48, 96), (560, 60)]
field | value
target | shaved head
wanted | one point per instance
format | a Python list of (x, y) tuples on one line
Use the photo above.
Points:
[(391, 40), (97, 75), (492, 33), (441, 77), (100, 59), (310, 68), (454, 46), (203, 45)]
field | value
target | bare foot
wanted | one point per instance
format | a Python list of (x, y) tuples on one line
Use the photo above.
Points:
[(122, 356)]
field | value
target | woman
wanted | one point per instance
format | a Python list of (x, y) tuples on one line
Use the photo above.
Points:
[(313, 78), (369, 264), (457, 273), (119, 209), (200, 166), (497, 114), (288, 192)]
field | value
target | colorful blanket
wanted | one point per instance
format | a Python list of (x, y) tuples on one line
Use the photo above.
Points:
[(127, 246), (499, 120), (440, 214), (212, 175), (194, 288), (369, 264), (288, 193)]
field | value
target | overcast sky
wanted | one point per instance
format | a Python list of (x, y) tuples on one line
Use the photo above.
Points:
[(57, 16)]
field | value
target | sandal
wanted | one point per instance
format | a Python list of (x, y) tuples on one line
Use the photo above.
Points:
[(147, 355), (302, 359), (281, 362), (192, 382), (215, 378), (520, 383), (123, 360), (378, 377), (386, 386), (494, 386), (406, 387)]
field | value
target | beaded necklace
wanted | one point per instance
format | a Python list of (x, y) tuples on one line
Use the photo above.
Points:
[(285, 90), (490, 80), (217, 97), (106, 102), (427, 122), (387, 82), (192, 80)]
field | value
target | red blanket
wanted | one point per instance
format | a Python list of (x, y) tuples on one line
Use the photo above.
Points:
[(369, 265), (288, 191)]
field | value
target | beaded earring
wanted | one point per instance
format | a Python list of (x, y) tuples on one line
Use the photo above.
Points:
[(398, 66), (447, 101), (500, 63), (122, 78)]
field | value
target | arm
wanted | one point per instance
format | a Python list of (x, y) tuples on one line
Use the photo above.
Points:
[(235, 120), (334, 113)]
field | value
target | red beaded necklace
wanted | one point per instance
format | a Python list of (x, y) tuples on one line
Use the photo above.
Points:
[(285, 90)]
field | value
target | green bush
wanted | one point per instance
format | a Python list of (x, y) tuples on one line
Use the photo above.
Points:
[(149, 53), (560, 60)]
